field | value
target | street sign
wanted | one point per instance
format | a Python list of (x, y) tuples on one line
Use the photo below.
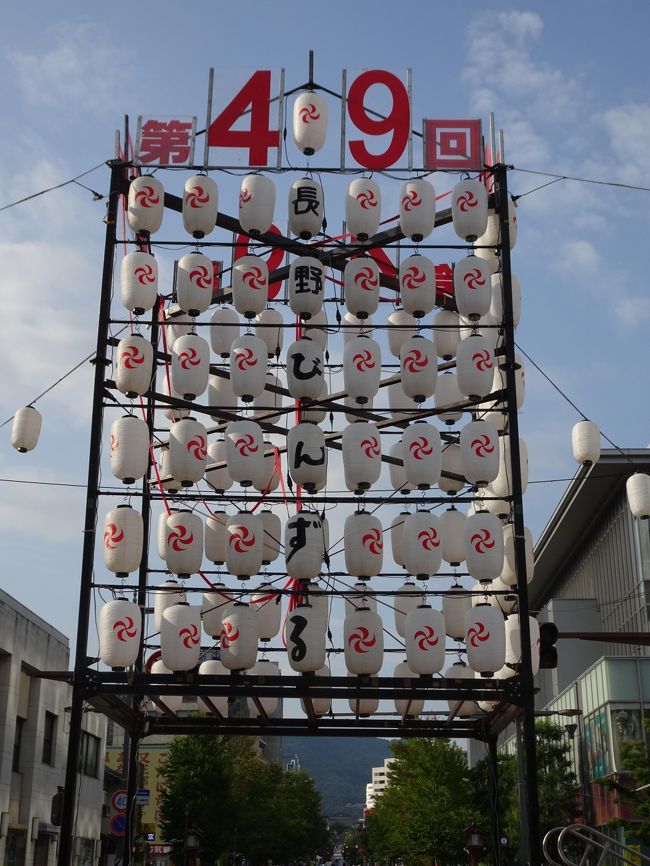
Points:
[(142, 796), (118, 824), (119, 800)]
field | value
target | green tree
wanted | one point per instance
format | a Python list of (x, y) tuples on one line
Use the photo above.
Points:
[(636, 764)]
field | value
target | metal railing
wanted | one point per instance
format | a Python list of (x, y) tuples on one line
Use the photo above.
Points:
[(579, 845)]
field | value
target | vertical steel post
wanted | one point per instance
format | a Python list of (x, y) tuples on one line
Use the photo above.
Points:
[(66, 841), (529, 756), (493, 788)]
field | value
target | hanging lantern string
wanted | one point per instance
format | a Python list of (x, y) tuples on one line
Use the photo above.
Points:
[(387, 604)]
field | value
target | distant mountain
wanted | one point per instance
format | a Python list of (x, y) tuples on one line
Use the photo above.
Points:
[(341, 768)]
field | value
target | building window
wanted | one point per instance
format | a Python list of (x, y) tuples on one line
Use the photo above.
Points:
[(89, 763), (49, 739), (18, 739)]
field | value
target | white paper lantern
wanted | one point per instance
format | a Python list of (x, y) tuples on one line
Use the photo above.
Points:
[(215, 537), (133, 365), (490, 257), (417, 285), (174, 413), (363, 706), (451, 465), (407, 707), (245, 544), (402, 327), (462, 709), (398, 479), (267, 603), (419, 368), (303, 545), (123, 535), (502, 484), (138, 282), (188, 451), (245, 452), (448, 394), (172, 702), (455, 605), (177, 323), (363, 597), (446, 334), (224, 330), (213, 667), (320, 706), (513, 641), (180, 637), (361, 286), (256, 204), (161, 535), (168, 593), (397, 537), (484, 546), (488, 327), (479, 444), (424, 636), (417, 211), (399, 404), (184, 543), (504, 602), (306, 278), (268, 705), (363, 208), (353, 327), (307, 456), (316, 329), (363, 642), (407, 598), (269, 327), (248, 367), (317, 597), (272, 527), (309, 122), (221, 398), (509, 574), (306, 637), (422, 455), (637, 488), (585, 440), (474, 366), (238, 640), (500, 507), (452, 531), (269, 480), (120, 628), (305, 369), (469, 209), (472, 287), (250, 285), (200, 205), (492, 235), (25, 429), (361, 369), (214, 606), (496, 305), (364, 544), (146, 204), (306, 204), (218, 477), (499, 382), (190, 366), (485, 639), (361, 445), (194, 283), (422, 544), (129, 448)]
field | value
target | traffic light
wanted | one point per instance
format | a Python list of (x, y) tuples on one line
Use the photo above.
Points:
[(547, 640), (57, 808)]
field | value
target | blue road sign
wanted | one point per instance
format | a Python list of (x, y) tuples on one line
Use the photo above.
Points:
[(118, 825)]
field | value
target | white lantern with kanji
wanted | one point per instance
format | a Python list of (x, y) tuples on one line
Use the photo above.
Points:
[(309, 122), (306, 208), (361, 446), (190, 366), (180, 637), (184, 542), (363, 208), (452, 471), (215, 537), (194, 283), (120, 629), (303, 545), (361, 369), (407, 598), (479, 444), (138, 281), (461, 708), (474, 366), (419, 368), (448, 394), (472, 287), (469, 209), (424, 636), (452, 530), (585, 440), (305, 369), (256, 204), (417, 210), (166, 594), (306, 636), (224, 330), (245, 451), (446, 334), (485, 639), (509, 573), (407, 707), (637, 488), (401, 327), (244, 544), (133, 365), (484, 546), (361, 286), (214, 606), (123, 535), (422, 454), (248, 367), (272, 527), (306, 283), (267, 603), (25, 429), (238, 638), (200, 205), (422, 544), (216, 473), (364, 544), (269, 327), (250, 285), (188, 450), (455, 604), (363, 642), (146, 204), (129, 448), (307, 456), (417, 285)]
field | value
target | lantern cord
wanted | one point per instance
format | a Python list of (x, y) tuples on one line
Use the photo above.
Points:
[(611, 183), (58, 186)]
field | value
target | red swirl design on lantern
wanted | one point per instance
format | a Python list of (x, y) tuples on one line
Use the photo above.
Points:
[(254, 278), (367, 198), (477, 634), (197, 447), (370, 447), (429, 538), (466, 200), (113, 444), (308, 113), (244, 196), (420, 448), (363, 361), (189, 358), (144, 274), (482, 360), (415, 360), (372, 540), (131, 357), (413, 277), (125, 628), (189, 636), (246, 445), (197, 197), (240, 537), (179, 538), (245, 358), (112, 536), (201, 277), (147, 197), (482, 541), (361, 639), (474, 279), (426, 638), (411, 200), (229, 634), (482, 446), (366, 279)]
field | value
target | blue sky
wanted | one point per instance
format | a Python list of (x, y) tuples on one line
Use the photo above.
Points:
[(568, 84)]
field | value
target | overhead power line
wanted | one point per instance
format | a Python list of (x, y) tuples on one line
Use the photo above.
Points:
[(58, 186)]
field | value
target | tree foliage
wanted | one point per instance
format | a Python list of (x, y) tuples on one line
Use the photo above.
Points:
[(636, 761)]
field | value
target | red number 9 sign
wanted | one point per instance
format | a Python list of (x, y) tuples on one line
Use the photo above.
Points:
[(397, 121)]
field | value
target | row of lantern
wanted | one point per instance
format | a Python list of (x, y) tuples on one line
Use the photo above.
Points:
[(471, 218)]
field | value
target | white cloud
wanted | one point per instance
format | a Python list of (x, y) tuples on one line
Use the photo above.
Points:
[(579, 259), (628, 129), (632, 311)]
